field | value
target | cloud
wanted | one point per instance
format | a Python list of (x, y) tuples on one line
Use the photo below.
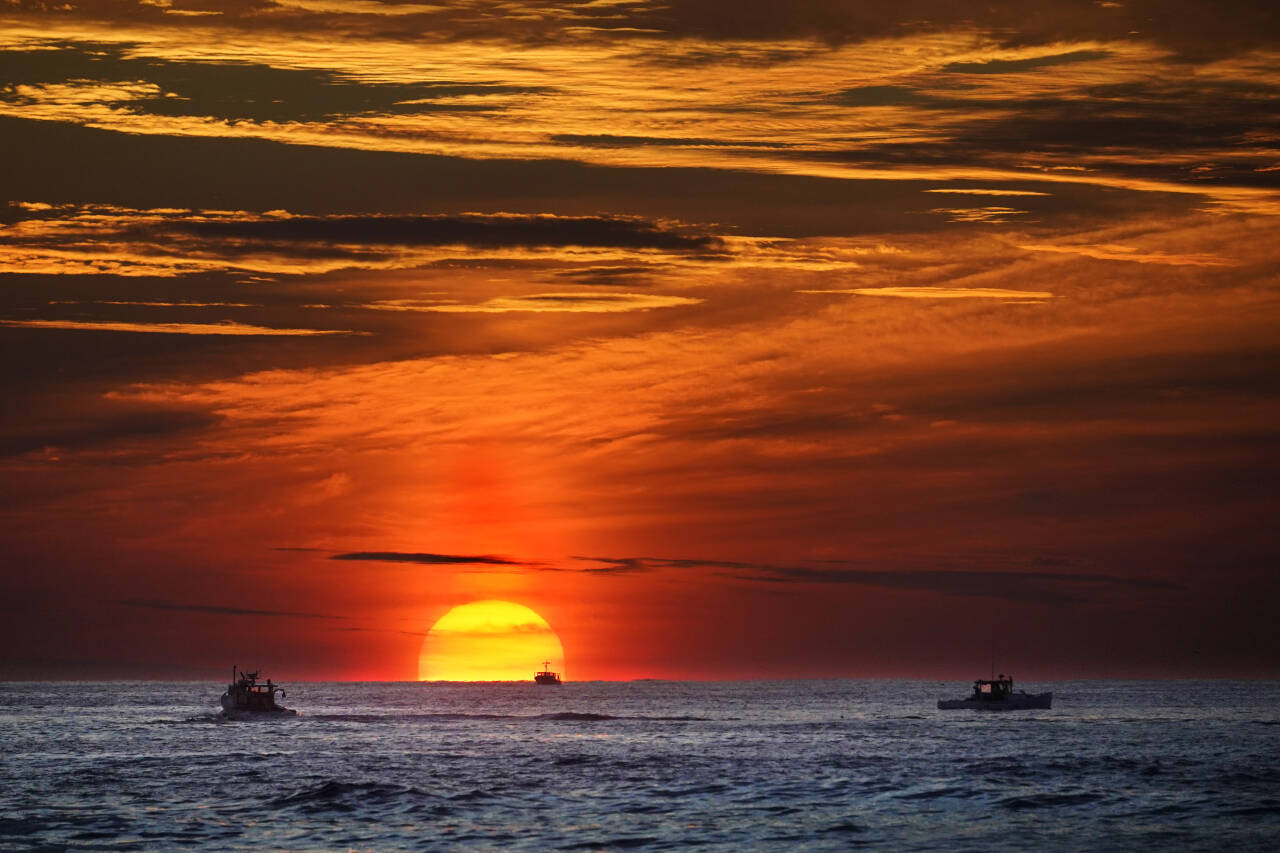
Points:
[(220, 610), (106, 239), (604, 140), (426, 559), (1036, 586), (559, 302), (990, 213), (931, 292), (987, 192), (888, 96), (497, 230), (1042, 587), (225, 328), (234, 91), (1116, 252), (492, 630), (616, 565), (1123, 114), (1031, 63), (1184, 25), (354, 630), (98, 422), (613, 275)]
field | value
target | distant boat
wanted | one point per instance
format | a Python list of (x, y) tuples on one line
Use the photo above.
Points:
[(245, 698), (546, 676), (996, 694)]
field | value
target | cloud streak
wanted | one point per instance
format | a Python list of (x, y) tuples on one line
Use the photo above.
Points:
[(1028, 586), (113, 240), (220, 610), (426, 559), (224, 328), (934, 292), (593, 303)]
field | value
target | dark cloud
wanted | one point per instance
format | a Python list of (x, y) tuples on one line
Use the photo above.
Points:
[(97, 423), (237, 91), (630, 276), (1190, 27), (426, 559), (1027, 586), (1014, 66), (65, 163), (484, 231), (605, 140), (616, 565), (1040, 587), (1148, 129), (379, 631), (223, 610), (890, 96)]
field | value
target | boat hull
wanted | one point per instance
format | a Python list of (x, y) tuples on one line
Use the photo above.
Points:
[(1011, 702), (231, 712)]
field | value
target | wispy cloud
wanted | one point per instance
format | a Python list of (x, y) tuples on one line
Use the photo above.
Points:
[(1115, 252), (1025, 63), (426, 559), (1040, 586), (991, 213), (557, 302), (167, 242), (221, 610), (931, 292), (972, 191), (224, 328)]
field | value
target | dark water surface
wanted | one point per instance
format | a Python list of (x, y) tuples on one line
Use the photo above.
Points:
[(817, 765)]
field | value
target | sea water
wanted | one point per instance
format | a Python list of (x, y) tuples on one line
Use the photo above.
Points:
[(812, 765)]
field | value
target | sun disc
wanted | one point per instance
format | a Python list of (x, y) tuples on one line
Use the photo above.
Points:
[(489, 641)]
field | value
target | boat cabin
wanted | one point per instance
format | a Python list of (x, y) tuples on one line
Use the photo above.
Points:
[(992, 690), (246, 694), (546, 676)]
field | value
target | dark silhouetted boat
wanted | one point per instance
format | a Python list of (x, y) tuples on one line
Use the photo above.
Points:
[(546, 676), (247, 699), (996, 694)]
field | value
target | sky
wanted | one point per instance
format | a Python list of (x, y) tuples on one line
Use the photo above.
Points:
[(751, 340)]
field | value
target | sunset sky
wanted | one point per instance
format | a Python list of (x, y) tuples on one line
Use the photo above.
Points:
[(736, 340)]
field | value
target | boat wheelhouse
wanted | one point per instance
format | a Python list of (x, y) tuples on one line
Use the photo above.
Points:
[(996, 694), (245, 697), (546, 676)]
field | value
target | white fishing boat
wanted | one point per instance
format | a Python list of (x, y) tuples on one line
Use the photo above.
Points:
[(996, 694)]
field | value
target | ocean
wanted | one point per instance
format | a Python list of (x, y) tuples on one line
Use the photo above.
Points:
[(648, 765)]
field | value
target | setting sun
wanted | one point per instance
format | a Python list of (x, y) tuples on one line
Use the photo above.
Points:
[(488, 641)]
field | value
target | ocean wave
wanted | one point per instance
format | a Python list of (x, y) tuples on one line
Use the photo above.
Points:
[(1042, 801), (934, 793), (332, 792), (614, 843), (1260, 809)]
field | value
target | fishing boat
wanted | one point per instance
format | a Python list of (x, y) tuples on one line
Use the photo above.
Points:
[(996, 694), (245, 698), (546, 676)]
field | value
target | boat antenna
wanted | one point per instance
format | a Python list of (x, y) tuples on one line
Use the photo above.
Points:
[(993, 654)]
